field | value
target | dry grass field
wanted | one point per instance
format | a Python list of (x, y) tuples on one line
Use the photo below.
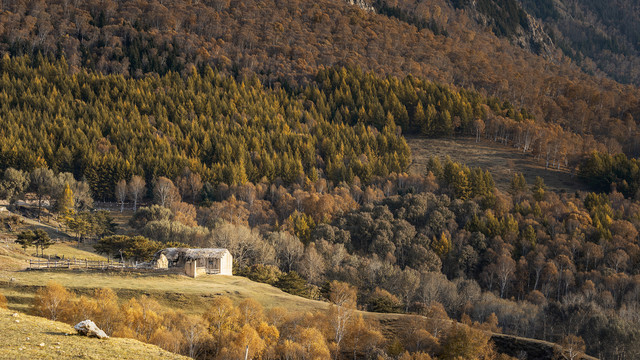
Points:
[(31, 337), (177, 291), (191, 295), (502, 161), (14, 258)]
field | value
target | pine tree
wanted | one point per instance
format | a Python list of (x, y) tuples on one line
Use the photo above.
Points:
[(441, 245), (66, 203), (26, 239), (518, 183), (538, 189), (42, 240)]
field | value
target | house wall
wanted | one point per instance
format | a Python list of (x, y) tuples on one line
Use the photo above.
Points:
[(190, 269), (226, 264), (201, 271), (162, 262), (195, 269)]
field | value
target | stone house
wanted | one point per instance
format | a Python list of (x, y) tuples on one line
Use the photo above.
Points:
[(195, 262)]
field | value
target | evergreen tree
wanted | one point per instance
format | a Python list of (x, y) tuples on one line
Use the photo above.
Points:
[(26, 239), (65, 204)]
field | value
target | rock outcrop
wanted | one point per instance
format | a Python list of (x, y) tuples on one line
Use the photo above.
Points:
[(90, 329), (363, 4), (536, 40)]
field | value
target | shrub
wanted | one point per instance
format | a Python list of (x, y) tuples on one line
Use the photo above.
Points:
[(53, 302), (292, 283), (267, 274), (383, 301)]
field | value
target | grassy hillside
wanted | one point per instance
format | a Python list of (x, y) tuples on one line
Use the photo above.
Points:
[(501, 161), (31, 337), (190, 295), (13, 257)]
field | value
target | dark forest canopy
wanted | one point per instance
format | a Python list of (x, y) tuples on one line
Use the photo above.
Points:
[(605, 173)]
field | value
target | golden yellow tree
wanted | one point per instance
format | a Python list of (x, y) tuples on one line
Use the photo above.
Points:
[(107, 312), (83, 308), (141, 318), (222, 318), (441, 245), (313, 344), (246, 342), (463, 342), (66, 206), (362, 336), (270, 335), (53, 302), (343, 297), (3, 302), (251, 312)]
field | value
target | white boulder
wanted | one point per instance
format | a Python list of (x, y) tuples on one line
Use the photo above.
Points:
[(89, 328)]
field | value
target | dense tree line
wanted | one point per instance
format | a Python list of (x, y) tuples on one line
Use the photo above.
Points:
[(64, 194), (417, 106), (108, 128), (345, 127), (289, 47), (606, 173)]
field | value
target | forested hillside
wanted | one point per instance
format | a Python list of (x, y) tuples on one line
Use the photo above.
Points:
[(287, 42), (347, 125), (275, 129), (601, 36), (106, 128)]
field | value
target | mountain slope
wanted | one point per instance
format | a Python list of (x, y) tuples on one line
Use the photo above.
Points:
[(286, 42), (601, 36)]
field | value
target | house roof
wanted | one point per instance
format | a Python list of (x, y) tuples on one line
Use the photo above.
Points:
[(173, 254)]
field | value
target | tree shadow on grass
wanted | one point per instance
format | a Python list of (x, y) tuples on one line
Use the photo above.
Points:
[(57, 333)]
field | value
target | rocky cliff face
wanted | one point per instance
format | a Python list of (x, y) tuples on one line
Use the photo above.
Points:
[(536, 40), (363, 4), (529, 34)]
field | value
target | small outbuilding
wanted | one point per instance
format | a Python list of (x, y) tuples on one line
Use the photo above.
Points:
[(196, 262)]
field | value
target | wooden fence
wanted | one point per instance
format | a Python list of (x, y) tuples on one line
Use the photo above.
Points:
[(78, 264)]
